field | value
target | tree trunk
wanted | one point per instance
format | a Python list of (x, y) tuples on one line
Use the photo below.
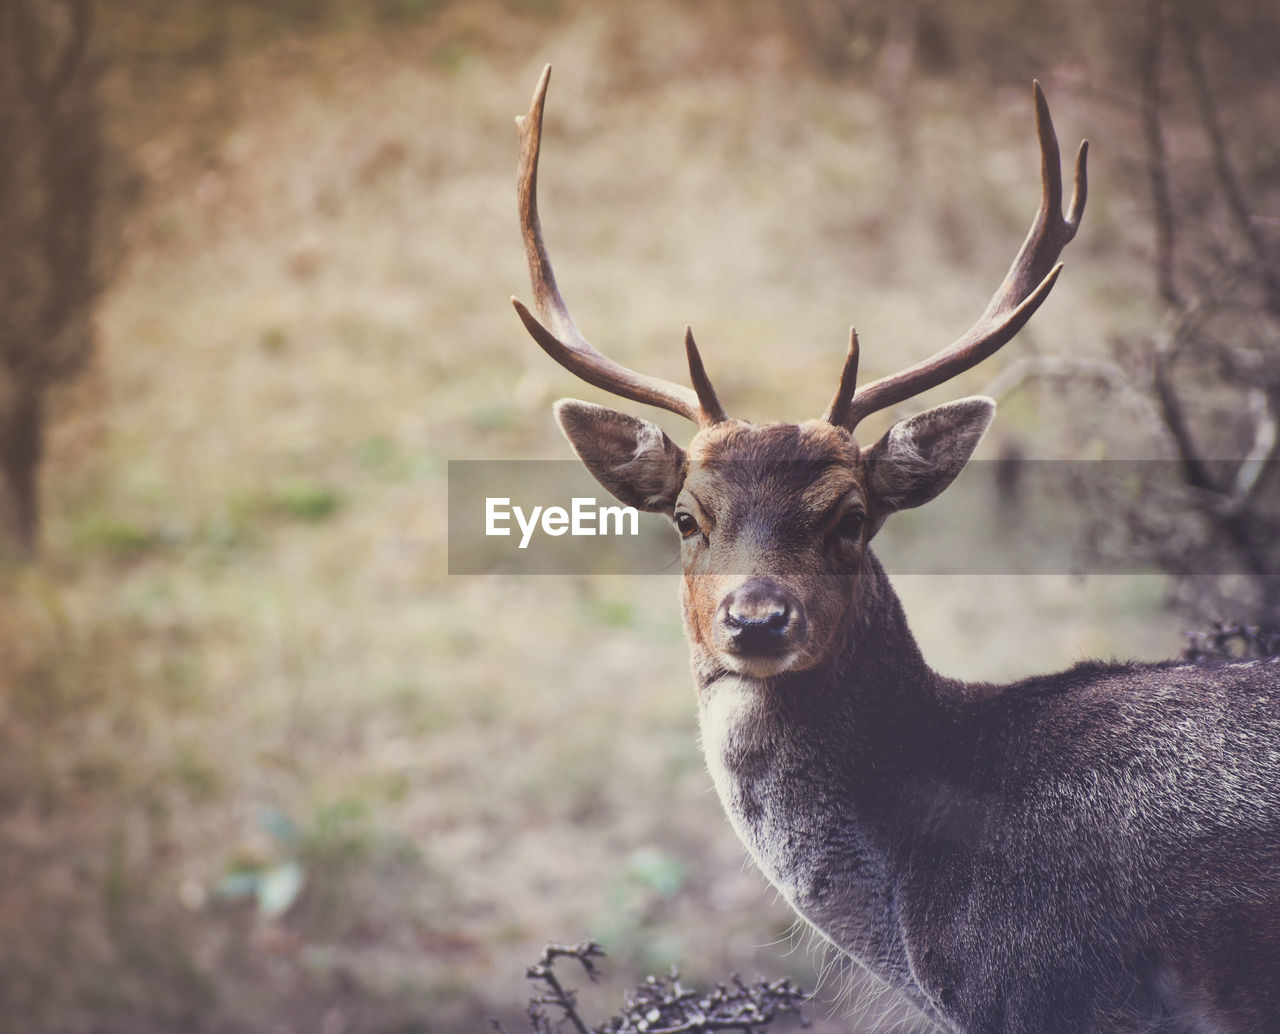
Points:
[(21, 446)]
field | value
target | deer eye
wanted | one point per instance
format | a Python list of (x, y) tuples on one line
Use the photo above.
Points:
[(686, 525), (850, 525)]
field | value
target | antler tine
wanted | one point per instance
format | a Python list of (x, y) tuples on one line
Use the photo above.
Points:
[(555, 330), (708, 404), (1029, 280), (1051, 231), (838, 412)]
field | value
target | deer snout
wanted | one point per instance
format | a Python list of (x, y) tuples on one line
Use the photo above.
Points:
[(760, 619)]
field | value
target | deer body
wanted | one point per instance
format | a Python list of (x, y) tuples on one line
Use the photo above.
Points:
[(1086, 851), (1094, 851), (1009, 859)]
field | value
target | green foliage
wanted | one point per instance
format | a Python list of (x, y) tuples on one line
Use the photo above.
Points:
[(340, 834), (616, 613), (304, 501), (375, 454), (408, 10), (337, 838), (451, 56), (655, 871), (197, 775), (642, 891), (116, 536), (273, 888), (493, 416)]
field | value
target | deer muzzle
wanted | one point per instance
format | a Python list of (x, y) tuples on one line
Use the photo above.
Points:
[(760, 627)]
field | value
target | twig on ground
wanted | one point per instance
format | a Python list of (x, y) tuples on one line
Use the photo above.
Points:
[(659, 1005)]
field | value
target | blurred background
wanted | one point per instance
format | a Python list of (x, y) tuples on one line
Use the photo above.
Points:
[(264, 765)]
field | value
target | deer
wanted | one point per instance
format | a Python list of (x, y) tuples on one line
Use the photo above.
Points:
[(1096, 850)]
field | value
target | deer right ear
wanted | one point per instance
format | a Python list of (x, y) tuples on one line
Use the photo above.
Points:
[(920, 456), (632, 458)]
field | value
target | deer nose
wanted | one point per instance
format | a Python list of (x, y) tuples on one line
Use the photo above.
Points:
[(760, 617)]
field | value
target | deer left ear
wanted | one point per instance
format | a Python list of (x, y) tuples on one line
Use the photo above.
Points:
[(920, 456), (632, 458)]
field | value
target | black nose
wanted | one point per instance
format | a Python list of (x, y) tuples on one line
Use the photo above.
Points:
[(760, 617)]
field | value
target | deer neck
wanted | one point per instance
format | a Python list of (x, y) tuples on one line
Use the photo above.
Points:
[(874, 683), (810, 767)]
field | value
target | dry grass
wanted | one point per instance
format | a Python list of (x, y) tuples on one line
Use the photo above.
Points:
[(243, 649)]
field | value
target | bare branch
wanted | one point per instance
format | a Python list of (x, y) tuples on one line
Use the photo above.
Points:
[(1261, 468), (1224, 170), (1073, 369), (1197, 471), (1232, 642), (662, 1005), (1157, 160), (71, 59)]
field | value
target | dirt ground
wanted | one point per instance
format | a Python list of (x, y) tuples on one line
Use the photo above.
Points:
[(266, 765)]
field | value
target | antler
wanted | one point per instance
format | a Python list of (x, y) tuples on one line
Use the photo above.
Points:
[(1027, 284), (562, 340)]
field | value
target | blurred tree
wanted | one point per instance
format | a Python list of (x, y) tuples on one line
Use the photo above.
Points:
[(50, 163), (1214, 367)]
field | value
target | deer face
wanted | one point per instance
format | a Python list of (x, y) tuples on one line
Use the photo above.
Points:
[(774, 519), (767, 516)]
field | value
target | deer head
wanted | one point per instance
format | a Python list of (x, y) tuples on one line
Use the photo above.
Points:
[(775, 518)]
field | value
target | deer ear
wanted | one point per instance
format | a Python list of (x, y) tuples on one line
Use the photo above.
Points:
[(920, 456), (632, 458)]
